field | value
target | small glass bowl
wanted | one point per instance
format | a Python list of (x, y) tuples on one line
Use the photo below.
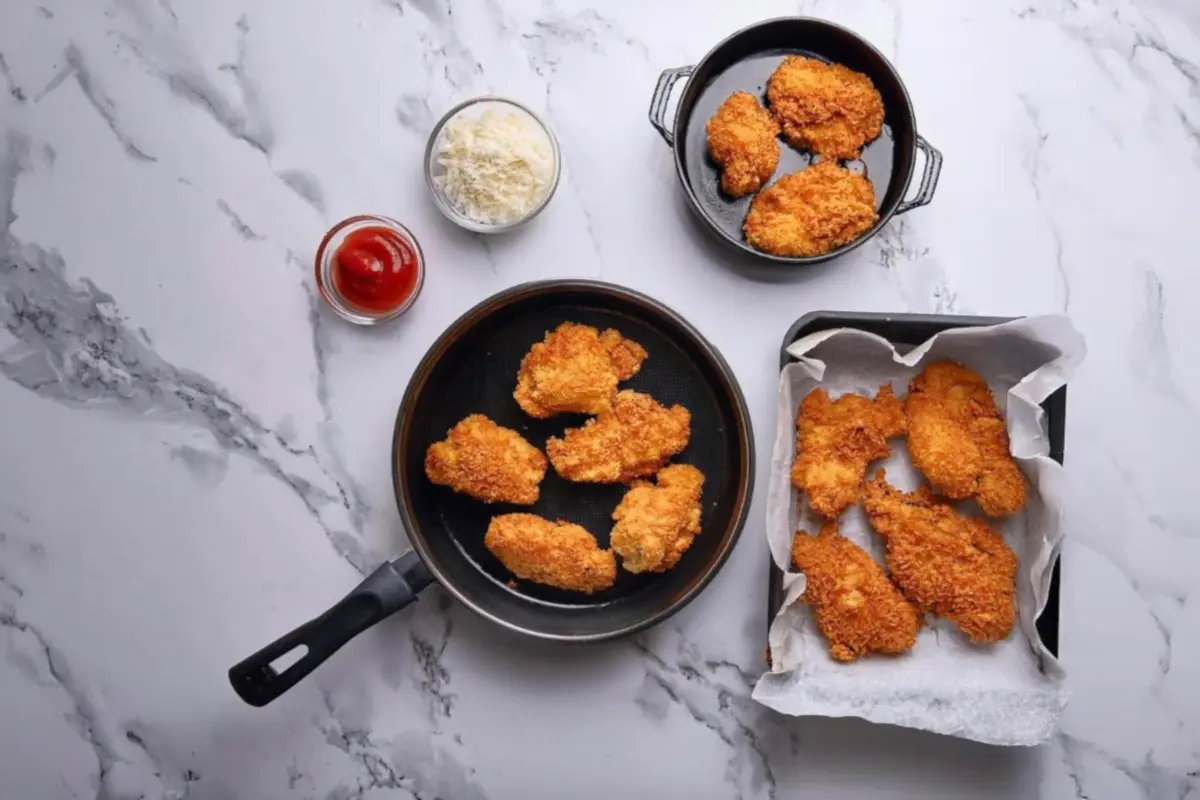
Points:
[(433, 170), (324, 269)]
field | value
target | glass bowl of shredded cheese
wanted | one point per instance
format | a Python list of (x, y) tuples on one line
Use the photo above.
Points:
[(491, 164)]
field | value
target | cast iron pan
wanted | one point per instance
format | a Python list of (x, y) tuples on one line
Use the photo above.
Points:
[(744, 62), (472, 368)]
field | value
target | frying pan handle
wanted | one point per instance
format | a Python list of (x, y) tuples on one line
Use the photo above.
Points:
[(662, 96), (384, 592), (929, 178)]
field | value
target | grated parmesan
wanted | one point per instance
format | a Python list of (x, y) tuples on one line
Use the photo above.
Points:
[(497, 167)]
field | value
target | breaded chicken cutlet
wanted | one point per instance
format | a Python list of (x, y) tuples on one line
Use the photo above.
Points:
[(811, 212), (836, 440), (945, 562), (634, 439), (742, 140), (957, 439), (656, 524), (575, 369), (487, 462), (856, 607), (559, 554), (826, 108)]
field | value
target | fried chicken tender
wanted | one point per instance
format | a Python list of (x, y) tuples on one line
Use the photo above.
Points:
[(559, 554), (635, 439), (576, 369), (826, 108), (857, 608), (945, 562), (811, 212), (957, 438), (836, 440), (488, 462), (657, 524), (741, 139)]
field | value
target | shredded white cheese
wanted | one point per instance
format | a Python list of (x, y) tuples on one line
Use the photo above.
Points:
[(497, 167)]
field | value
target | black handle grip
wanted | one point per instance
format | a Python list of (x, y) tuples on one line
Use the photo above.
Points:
[(381, 594), (662, 95), (929, 178)]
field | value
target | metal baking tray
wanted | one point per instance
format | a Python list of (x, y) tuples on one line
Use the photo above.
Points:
[(906, 331)]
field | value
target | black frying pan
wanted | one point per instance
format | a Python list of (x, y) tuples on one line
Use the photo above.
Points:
[(472, 368), (745, 61)]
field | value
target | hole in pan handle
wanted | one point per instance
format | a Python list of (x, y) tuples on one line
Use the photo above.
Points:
[(382, 593), (662, 96), (929, 178)]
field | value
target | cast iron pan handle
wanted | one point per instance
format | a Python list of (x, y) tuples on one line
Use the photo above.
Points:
[(929, 179), (662, 95), (384, 592)]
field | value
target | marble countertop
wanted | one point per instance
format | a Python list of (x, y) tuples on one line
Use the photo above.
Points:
[(196, 454)]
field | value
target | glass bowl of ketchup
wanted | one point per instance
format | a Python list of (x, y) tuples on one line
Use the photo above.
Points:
[(370, 269)]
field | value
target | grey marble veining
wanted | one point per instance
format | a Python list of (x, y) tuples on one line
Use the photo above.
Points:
[(195, 451)]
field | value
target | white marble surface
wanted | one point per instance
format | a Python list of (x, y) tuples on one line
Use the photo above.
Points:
[(195, 456)]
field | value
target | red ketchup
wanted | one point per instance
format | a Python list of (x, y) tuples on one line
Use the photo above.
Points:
[(375, 269)]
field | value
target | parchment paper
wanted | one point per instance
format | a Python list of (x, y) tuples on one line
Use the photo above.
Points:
[(1009, 693)]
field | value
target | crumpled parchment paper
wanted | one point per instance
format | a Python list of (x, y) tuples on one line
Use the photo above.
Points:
[(1008, 693)]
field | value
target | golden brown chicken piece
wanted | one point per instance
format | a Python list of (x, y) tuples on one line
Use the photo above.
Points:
[(626, 355), (836, 440), (635, 439), (957, 438), (559, 554), (856, 607), (489, 463), (826, 108), (945, 562), (811, 212), (575, 369), (657, 524), (741, 139)]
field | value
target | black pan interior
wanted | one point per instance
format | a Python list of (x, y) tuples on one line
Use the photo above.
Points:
[(744, 62), (477, 373)]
